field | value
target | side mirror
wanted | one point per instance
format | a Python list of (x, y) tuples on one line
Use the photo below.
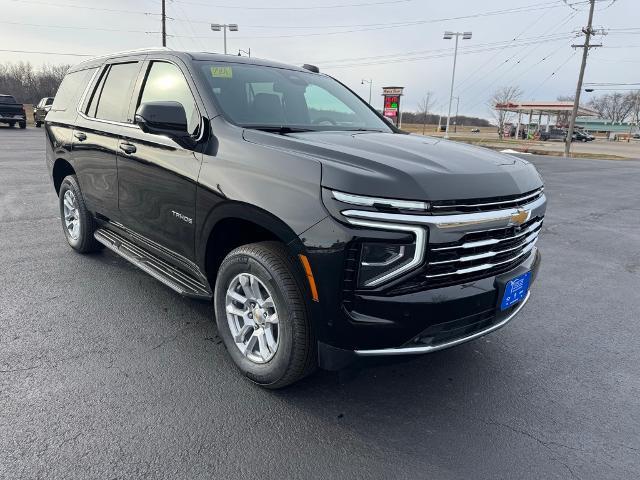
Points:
[(164, 118)]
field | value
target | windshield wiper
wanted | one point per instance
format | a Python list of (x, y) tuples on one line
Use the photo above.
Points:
[(281, 129)]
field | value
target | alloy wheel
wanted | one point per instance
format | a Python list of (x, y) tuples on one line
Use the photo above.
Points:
[(252, 317), (71, 214)]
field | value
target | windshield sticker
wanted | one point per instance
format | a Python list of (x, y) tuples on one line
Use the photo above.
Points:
[(221, 72)]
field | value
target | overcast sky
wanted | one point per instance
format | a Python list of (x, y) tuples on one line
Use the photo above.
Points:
[(394, 42)]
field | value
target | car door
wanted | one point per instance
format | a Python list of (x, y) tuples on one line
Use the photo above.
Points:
[(99, 125), (156, 176)]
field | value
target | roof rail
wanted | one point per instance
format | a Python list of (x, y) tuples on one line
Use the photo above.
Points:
[(135, 50)]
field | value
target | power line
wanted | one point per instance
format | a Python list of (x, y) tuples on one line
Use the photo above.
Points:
[(315, 7), (387, 25), (493, 57), (556, 70), (609, 84), (85, 7), (468, 51), (49, 53), (71, 27), (396, 55), (512, 66)]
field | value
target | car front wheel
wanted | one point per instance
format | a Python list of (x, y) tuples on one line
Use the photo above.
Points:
[(262, 316)]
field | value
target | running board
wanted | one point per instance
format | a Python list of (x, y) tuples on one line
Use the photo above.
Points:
[(146, 261)]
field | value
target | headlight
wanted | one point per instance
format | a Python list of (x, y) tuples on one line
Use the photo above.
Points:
[(380, 202), (380, 260)]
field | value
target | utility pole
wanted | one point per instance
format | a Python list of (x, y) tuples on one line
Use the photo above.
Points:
[(164, 24), (588, 31)]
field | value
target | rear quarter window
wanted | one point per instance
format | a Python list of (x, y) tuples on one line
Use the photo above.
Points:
[(71, 90)]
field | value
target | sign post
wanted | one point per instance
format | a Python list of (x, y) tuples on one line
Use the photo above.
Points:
[(392, 103)]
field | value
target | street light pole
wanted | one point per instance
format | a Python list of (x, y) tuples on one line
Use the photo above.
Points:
[(455, 123), (370, 82), (216, 27), (449, 36)]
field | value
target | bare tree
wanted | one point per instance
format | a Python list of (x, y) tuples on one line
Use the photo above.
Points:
[(28, 85), (615, 107), (423, 108), (502, 97), (563, 117), (634, 100)]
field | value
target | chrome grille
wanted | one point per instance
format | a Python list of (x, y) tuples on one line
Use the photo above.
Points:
[(480, 254), (484, 204)]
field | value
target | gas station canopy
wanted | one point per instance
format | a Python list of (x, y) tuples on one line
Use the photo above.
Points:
[(544, 108)]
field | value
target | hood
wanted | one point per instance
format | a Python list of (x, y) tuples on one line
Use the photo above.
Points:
[(407, 166)]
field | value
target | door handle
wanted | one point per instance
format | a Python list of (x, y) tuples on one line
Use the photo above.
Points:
[(80, 136), (127, 147)]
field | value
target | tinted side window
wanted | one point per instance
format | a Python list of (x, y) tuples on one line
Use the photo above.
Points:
[(95, 96), (71, 89), (115, 96), (165, 82)]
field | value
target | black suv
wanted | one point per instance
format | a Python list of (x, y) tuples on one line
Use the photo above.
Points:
[(321, 233)]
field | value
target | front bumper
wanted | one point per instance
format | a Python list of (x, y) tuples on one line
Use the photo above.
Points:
[(428, 308), (444, 317)]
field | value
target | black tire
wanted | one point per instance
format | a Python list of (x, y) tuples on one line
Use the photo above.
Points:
[(85, 242), (23, 125), (295, 356), (38, 124)]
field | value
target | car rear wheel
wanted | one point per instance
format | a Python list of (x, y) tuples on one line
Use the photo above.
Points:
[(38, 124), (262, 315), (23, 125), (77, 222)]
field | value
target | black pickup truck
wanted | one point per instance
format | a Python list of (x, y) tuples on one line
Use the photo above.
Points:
[(12, 112)]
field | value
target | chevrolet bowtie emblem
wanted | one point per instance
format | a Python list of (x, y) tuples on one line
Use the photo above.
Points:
[(520, 217)]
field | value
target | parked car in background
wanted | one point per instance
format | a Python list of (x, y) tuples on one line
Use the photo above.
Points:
[(321, 237), (40, 111), (12, 112), (522, 134), (475, 130), (581, 136), (553, 134)]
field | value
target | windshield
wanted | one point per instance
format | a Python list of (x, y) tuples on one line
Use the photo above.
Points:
[(272, 98), (7, 99)]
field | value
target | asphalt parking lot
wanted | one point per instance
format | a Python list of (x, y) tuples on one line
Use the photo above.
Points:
[(105, 373)]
